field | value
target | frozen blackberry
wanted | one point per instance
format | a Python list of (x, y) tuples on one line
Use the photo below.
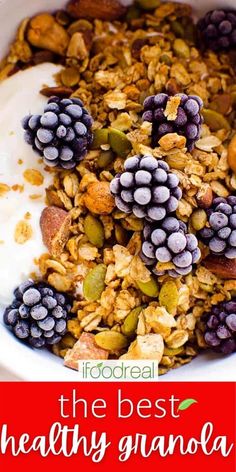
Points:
[(219, 234), (170, 242), (187, 122), (146, 188), (217, 30), (220, 327), (62, 134), (38, 314)]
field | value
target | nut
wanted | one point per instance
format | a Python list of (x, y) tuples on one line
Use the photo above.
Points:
[(232, 154), (221, 266), (204, 196), (60, 91), (98, 198), (44, 32), (55, 226), (103, 10)]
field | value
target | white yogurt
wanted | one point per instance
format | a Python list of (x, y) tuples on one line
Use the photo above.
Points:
[(19, 96)]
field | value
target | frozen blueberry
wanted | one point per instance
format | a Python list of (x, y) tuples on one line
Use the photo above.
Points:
[(158, 237), (161, 194), (47, 324), (148, 163), (163, 255), (11, 317), (21, 329), (142, 195), (31, 296), (182, 260), (218, 220), (51, 153), (45, 136), (177, 242), (75, 111), (156, 213), (148, 250), (142, 177), (49, 119), (60, 326), (127, 179), (217, 245)]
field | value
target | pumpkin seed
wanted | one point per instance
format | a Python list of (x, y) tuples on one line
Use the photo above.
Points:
[(131, 322), (94, 231), (119, 142), (70, 76), (121, 235), (172, 352), (177, 28), (133, 13), (111, 340), (215, 120), (105, 159), (100, 137), (166, 59), (198, 219), (168, 296), (94, 283), (181, 48), (149, 288), (148, 4)]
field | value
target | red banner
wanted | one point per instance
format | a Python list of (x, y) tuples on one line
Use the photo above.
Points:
[(113, 425)]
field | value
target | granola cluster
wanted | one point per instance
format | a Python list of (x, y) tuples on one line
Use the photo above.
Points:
[(113, 67)]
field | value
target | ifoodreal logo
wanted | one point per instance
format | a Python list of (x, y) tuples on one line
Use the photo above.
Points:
[(116, 370)]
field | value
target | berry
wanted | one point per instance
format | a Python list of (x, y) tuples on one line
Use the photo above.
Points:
[(62, 134), (169, 242), (220, 327), (146, 188), (38, 314), (219, 234), (217, 30), (187, 122)]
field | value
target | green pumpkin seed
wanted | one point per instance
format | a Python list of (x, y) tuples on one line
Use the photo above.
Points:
[(149, 288), (119, 142), (94, 283), (177, 28), (121, 235), (181, 48), (166, 59), (100, 137), (111, 340), (105, 159), (215, 120), (133, 13), (148, 4), (94, 231), (172, 352), (168, 296), (131, 322)]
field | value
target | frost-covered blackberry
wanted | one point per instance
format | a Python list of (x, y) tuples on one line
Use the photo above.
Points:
[(218, 30), (170, 242), (187, 122), (219, 234), (146, 188), (38, 314), (220, 327), (62, 134)]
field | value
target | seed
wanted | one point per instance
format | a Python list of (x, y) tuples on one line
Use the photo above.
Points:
[(131, 322), (105, 159), (215, 120), (168, 296), (94, 231), (198, 219), (111, 340), (181, 48), (94, 283), (119, 142), (149, 288), (100, 137)]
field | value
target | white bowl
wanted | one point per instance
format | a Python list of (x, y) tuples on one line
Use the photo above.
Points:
[(21, 362)]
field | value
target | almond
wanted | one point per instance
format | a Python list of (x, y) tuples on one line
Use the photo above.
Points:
[(232, 154), (107, 10), (221, 266), (98, 198), (204, 196), (55, 226)]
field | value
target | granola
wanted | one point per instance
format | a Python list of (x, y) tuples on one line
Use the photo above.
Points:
[(113, 67)]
